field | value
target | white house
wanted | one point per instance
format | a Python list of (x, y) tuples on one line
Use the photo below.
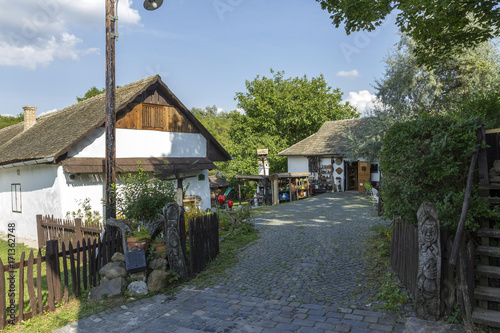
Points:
[(323, 154), (49, 163)]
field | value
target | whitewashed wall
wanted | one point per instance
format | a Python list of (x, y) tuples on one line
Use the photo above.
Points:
[(298, 164), (301, 164), (142, 143)]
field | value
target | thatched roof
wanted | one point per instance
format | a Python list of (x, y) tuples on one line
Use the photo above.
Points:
[(329, 139), (55, 133)]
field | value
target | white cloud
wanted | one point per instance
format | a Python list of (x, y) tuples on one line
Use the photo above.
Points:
[(363, 101), (34, 33), (47, 112), (348, 74)]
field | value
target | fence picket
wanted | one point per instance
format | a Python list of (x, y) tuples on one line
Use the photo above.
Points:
[(84, 262), (31, 287), (78, 268), (21, 288), (3, 309), (73, 268), (66, 275), (50, 271), (39, 281)]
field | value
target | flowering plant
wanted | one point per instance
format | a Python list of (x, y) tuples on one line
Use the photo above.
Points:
[(221, 199), (230, 204)]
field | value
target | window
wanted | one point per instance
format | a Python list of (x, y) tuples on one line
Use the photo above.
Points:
[(15, 190), (152, 116), (374, 168)]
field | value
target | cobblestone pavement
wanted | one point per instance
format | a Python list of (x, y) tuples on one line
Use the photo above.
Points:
[(300, 276)]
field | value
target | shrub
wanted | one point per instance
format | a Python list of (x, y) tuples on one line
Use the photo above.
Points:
[(141, 198), (427, 160)]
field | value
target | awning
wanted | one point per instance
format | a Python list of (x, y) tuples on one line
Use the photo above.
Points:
[(164, 166)]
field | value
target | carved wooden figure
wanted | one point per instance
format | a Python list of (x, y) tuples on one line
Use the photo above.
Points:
[(427, 302), (171, 216)]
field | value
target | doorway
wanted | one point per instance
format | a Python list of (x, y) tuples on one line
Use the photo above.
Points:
[(352, 176)]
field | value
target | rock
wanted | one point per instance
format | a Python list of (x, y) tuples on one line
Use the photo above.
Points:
[(158, 264), (496, 166), (139, 276), (138, 288), (118, 257), (415, 325), (158, 280), (110, 288), (113, 270)]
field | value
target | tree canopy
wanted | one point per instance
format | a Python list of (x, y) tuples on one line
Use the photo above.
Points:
[(440, 28), (93, 91), (280, 112), (6, 121), (462, 86)]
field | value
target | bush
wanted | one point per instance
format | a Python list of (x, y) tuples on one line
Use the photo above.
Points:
[(141, 198), (427, 160)]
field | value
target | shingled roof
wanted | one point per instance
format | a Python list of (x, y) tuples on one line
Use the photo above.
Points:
[(55, 133), (329, 139)]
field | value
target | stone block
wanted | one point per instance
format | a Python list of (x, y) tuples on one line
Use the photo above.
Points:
[(138, 288), (113, 270), (118, 257), (114, 287), (158, 264)]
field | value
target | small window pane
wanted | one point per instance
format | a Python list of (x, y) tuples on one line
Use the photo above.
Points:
[(16, 198)]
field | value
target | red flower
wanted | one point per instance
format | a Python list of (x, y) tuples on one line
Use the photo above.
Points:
[(221, 199), (229, 203)]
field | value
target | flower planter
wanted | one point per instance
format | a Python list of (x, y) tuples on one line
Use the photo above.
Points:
[(141, 244), (161, 250)]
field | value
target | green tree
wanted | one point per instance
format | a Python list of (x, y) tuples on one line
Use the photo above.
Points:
[(216, 122), (6, 121), (440, 28), (280, 112), (93, 91), (462, 86)]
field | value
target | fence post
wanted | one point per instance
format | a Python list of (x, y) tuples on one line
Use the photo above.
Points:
[(50, 264), (40, 233), (78, 230)]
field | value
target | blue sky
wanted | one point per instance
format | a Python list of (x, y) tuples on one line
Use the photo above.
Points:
[(53, 50)]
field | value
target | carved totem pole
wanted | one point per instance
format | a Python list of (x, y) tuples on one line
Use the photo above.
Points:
[(427, 302), (171, 217)]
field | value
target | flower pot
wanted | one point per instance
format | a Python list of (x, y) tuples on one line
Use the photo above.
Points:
[(161, 250), (133, 241)]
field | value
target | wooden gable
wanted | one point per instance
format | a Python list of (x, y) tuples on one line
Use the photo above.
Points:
[(145, 116)]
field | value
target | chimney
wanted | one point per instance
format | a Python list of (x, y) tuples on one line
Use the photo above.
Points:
[(29, 116)]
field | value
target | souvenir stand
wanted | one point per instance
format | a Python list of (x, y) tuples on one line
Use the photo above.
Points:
[(289, 186)]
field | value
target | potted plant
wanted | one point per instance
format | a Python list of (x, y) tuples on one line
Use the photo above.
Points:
[(160, 246), (139, 237)]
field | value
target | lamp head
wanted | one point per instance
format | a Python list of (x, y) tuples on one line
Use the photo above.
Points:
[(152, 4)]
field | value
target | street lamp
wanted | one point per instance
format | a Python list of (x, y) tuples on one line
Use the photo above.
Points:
[(110, 117)]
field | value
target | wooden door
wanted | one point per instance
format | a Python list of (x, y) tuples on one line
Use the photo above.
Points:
[(363, 175), (352, 176)]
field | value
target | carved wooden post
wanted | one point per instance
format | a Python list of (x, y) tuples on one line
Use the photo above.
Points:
[(171, 216), (427, 300)]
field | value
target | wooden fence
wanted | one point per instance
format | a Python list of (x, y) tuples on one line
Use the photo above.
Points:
[(66, 231), (404, 254), (457, 283), (203, 241), (81, 273)]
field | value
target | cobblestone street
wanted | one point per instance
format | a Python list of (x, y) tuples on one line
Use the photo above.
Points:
[(301, 276)]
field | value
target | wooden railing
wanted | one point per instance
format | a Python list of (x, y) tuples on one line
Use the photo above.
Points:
[(66, 231), (68, 272), (203, 241)]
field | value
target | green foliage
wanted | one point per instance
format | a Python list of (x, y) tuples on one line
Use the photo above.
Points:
[(280, 112), (427, 160), (216, 122), (6, 121), (440, 28), (89, 217), (461, 86), (93, 91), (140, 197)]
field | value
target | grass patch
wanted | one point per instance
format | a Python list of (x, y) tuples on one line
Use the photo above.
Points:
[(385, 290)]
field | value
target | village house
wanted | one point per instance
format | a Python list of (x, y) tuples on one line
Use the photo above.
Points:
[(324, 156), (50, 163)]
